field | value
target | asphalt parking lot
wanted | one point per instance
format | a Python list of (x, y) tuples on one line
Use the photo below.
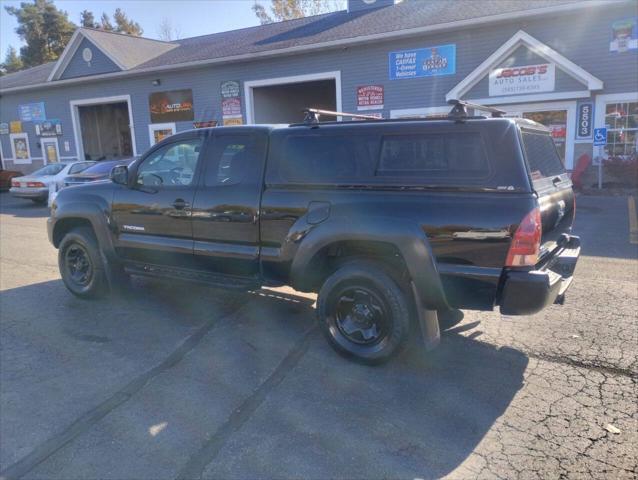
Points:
[(181, 381)]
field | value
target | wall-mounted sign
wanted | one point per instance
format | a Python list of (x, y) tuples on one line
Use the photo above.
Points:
[(423, 62), (370, 97), (230, 89), (523, 79), (624, 35), (15, 126), (4, 128), (32, 112), (231, 121), (173, 106), (206, 124), (231, 107), (600, 136), (584, 120), (49, 128)]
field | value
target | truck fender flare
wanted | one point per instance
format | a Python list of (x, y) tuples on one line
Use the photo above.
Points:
[(407, 238)]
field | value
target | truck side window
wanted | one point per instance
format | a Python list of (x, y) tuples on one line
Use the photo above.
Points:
[(232, 156), (443, 156), (171, 165)]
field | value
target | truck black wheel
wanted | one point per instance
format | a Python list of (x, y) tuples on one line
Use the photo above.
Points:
[(363, 312), (81, 265)]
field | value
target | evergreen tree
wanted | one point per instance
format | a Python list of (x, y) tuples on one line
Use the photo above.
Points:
[(126, 25), (88, 20), (45, 30), (12, 62), (105, 23)]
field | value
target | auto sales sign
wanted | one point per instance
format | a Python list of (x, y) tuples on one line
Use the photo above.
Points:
[(522, 80)]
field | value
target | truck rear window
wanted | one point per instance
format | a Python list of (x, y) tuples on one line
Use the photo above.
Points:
[(541, 155)]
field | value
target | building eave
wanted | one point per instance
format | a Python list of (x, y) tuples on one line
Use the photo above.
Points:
[(396, 34)]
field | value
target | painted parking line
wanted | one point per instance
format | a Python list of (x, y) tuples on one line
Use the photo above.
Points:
[(633, 220)]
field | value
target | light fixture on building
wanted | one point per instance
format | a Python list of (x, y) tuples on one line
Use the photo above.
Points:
[(156, 82)]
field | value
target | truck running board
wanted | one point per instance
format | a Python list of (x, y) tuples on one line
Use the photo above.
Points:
[(228, 282)]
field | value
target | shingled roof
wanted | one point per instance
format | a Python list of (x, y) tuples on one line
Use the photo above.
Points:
[(140, 54)]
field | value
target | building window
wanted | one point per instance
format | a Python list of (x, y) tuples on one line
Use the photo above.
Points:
[(621, 120), (20, 148)]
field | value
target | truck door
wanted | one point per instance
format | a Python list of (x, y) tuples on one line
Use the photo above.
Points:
[(226, 206), (153, 217)]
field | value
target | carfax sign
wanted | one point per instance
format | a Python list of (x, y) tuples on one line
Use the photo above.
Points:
[(423, 62)]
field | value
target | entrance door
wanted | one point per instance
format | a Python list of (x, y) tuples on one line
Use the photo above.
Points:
[(50, 150), (559, 117), (106, 131), (153, 218)]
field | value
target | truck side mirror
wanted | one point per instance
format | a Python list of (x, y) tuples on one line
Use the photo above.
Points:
[(119, 175)]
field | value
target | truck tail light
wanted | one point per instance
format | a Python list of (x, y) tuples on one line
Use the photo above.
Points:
[(526, 242), (35, 185)]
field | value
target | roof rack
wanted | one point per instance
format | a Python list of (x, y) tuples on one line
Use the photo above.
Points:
[(460, 109), (312, 115)]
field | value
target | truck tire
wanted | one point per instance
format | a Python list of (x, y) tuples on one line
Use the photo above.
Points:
[(363, 312), (81, 265)]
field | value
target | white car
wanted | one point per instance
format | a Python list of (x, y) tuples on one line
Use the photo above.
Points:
[(36, 185)]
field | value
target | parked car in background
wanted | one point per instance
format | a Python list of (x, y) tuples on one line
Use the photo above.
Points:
[(35, 186), (6, 176), (99, 171)]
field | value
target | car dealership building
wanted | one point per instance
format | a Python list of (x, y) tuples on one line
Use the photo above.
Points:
[(569, 64)]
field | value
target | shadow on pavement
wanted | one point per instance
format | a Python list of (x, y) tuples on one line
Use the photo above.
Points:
[(21, 208)]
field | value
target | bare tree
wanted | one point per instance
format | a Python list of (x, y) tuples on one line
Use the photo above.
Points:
[(167, 31)]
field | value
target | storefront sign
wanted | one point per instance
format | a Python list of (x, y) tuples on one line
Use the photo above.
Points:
[(230, 89), (624, 35), (231, 121), (584, 119), (523, 79), (32, 112), (423, 62), (206, 124), (173, 106), (15, 126), (231, 107), (4, 128), (370, 97), (50, 128)]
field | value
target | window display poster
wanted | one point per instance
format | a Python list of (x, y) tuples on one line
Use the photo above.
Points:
[(32, 112), (172, 106), (51, 153), (230, 89), (231, 107), (423, 62), (624, 35), (15, 126), (232, 121), (21, 149)]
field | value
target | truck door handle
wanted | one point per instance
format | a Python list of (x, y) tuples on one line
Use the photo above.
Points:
[(180, 204)]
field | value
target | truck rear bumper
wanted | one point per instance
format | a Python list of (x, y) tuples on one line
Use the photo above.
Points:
[(525, 293)]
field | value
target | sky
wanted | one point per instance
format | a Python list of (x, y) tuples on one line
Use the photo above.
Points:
[(190, 17)]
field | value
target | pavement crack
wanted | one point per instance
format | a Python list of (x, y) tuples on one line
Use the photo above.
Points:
[(195, 466), (93, 416)]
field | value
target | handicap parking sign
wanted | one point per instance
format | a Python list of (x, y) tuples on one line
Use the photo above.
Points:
[(600, 136)]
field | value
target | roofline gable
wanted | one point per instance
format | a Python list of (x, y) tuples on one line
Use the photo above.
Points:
[(522, 38), (71, 49)]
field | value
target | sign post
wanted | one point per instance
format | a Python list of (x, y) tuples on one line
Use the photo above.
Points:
[(600, 140)]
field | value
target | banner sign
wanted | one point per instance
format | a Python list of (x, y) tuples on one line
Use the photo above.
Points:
[(584, 120), (4, 128), (173, 106), (32, 112), (15, 126), (624, 35), (231, 107), (230, 89), (49, 128), (523, 79), (370, 97), (206, 124), (423, 62)]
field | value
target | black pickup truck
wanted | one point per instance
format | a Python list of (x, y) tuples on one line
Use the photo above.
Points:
[(389, 221)]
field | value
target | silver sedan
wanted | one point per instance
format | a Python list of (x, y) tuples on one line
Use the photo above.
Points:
[(35, 186)]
